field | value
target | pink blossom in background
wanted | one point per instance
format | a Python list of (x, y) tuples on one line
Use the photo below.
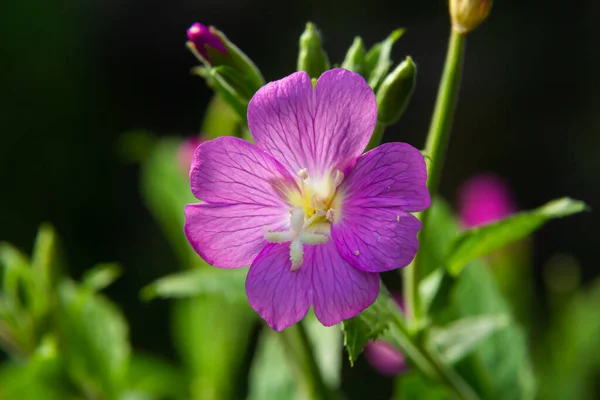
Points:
[(483, 199), (384, 357), (315, 219), (201, 36), (185, 152)]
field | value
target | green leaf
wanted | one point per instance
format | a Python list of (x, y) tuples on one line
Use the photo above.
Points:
[(94, 339), (481, 241), (271, 375), (415, 386), (328, 346), (211, 334), (46, 261), (570, 345), (155, 378), (225, 81), (101, 276), (165, 189), (378, 59), (219, 120), (459, 338), (227, 283), (368, 325), (501, 360)]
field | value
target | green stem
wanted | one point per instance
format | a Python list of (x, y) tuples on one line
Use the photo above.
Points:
[(299, 348), (435, 149), (427, 361)]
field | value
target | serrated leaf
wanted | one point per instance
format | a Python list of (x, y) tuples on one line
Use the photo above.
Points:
[(459, 338), (368, 325), (228, 283), (480, 241)]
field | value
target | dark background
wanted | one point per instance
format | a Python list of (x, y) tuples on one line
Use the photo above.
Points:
[(74, 75)]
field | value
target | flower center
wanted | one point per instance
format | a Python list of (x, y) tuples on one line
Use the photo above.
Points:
[(313, 210)]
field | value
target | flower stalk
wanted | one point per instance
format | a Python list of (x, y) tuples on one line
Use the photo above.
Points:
[(435, 149)]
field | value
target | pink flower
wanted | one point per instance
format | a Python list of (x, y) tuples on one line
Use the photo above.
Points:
[(315, 219), (185, 152), (201, 36), (384, 357), (483, 199)]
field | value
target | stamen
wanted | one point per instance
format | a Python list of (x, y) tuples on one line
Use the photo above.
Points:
[(303, 174), (338, 178), (330, 215)]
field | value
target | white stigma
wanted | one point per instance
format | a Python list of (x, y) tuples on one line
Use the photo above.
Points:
[(299, 235)]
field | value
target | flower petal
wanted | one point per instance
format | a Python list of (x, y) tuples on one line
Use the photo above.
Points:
[(320, 130), (280, 296), (391, 175), (231, 235), (229, 170), (340, 291), (376, 240), (372, 230)]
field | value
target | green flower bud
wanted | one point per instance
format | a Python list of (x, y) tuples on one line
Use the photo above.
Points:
[(355, 57), (312, 58), (468, 14), (395, 92)]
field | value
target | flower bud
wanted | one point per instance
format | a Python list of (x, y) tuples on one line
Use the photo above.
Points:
[(384, 357), (312, 58), (203, 38), (227, 70), (355, 57), (468, 14), (395, 92)]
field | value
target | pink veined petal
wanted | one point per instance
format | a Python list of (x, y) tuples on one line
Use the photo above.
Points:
[(322, 129), (372, 230), (231, 235), (229, 170), (280, 296), (340, 291)]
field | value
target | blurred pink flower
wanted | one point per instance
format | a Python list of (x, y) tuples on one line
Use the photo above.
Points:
[(384, 357), (185, 152), (484, 198)]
